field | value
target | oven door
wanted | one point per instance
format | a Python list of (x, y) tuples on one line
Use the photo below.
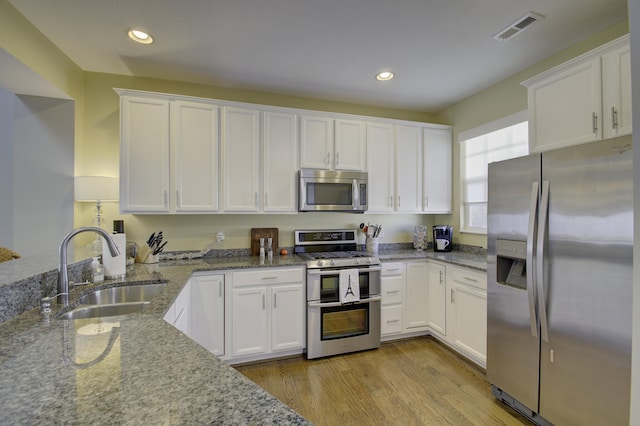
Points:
[(334, 328)]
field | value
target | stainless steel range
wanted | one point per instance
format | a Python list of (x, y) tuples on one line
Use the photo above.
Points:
[(339, 319)]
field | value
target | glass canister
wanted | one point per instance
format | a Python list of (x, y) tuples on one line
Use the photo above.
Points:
[(420, 237)]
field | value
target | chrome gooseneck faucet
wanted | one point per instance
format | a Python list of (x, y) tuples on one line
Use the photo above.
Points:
[(63, 273)]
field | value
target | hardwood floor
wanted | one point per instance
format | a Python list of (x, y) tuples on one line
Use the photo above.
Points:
[(409, 382)]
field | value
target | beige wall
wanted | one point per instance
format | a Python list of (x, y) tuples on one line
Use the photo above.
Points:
[(500, 100)]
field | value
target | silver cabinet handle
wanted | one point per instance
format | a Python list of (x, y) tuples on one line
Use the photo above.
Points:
[(337, 158), (220, 287), (328, 158), (165, 198), (453, 296), (263, 302), (542, 231), (441, 276), (614, 118), (266, 198), (393, 291), (426, 202), (391, 201), (398, 201), (178, 198), (269, 278), (275, 303), (531, 295), (392, 321), (594, 117)]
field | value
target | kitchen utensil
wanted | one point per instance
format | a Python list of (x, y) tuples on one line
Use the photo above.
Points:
[(266, 233)]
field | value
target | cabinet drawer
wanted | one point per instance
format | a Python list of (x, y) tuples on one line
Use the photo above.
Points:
[(390, 269), (391, 291), (268, 276), (469, 277), (391, 319)]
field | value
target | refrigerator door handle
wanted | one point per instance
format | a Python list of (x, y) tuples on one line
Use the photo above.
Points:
[(531, 235), (542, 232)]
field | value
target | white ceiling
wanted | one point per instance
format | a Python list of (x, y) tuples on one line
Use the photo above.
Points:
[(441, 51)]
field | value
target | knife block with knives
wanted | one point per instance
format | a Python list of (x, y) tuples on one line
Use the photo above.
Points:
[(150, 252)]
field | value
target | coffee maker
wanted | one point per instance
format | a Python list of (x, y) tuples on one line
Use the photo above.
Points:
[(442, 237)]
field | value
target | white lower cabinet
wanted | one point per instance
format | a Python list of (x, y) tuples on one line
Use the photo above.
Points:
[(392, 283), (467, 313), (198, 311), (267, 313), (436, 297), (207, 312), (417, 293)]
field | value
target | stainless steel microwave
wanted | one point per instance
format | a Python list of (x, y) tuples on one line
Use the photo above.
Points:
[(331, 190)]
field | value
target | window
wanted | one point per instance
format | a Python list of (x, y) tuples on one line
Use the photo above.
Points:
[(503, 139)]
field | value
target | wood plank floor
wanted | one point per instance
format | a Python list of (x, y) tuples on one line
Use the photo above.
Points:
[(409, 382)]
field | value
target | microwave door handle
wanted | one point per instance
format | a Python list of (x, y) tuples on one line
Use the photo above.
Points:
[(303, 195), (356, 195)]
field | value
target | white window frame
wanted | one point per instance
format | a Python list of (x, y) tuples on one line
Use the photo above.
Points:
[(493, 126)]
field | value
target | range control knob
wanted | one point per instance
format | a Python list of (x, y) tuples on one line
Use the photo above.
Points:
[(332, 263), (356, 261), (319, 262)]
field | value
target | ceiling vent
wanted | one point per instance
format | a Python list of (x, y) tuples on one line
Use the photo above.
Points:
[(517, 27)]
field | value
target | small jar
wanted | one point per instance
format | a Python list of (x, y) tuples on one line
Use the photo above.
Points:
[(97, 271)]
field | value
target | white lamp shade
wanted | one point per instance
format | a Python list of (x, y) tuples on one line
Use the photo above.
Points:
[(96, 188)]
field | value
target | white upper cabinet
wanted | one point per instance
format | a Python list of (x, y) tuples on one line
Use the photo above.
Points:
[(616, 92), (583, 100), (331, 144), (240, 159), (195, 156), (349, 146), (436, 174), (316, 142), (144, 155), (280, 162), (153, 130), (408, 167), (381, 167)]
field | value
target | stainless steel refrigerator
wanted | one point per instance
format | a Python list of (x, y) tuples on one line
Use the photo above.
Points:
[(559, 308)]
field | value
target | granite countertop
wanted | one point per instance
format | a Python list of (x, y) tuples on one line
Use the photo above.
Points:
[(136, 368)]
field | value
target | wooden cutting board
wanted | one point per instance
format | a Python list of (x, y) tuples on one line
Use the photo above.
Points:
[(257, 233)]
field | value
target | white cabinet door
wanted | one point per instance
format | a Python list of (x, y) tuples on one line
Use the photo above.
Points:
[(195, 156), (381, 167), (467, 313), (416, 296), (280, 162), (287, 319), (178, 314), (144, 155), (207, 312), (616, 92), (316, 142), (240, 159), (408, 169), (249, 323), (437, 176), (565, 107), (349, 147), (436, 297)]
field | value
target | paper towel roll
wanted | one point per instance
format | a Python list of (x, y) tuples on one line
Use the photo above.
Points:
[(115, 267)]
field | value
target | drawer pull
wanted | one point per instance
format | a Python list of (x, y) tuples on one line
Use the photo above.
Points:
[(470, 279), (269, 278), (393, 291), (392, 321)]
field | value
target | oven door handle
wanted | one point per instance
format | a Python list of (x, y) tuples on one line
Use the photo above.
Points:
[(334, 271), (336, 304)]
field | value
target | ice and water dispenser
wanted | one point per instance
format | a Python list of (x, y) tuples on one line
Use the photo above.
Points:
[(512, 263)]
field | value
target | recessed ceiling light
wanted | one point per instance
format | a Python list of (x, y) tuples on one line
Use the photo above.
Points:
[(384, 76), (140, 36)]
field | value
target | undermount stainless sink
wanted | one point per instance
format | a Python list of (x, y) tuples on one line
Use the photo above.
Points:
[(124, 294), (114, 301), (96, 311)]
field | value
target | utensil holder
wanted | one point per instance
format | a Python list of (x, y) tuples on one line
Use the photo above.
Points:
[(372, 245)]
